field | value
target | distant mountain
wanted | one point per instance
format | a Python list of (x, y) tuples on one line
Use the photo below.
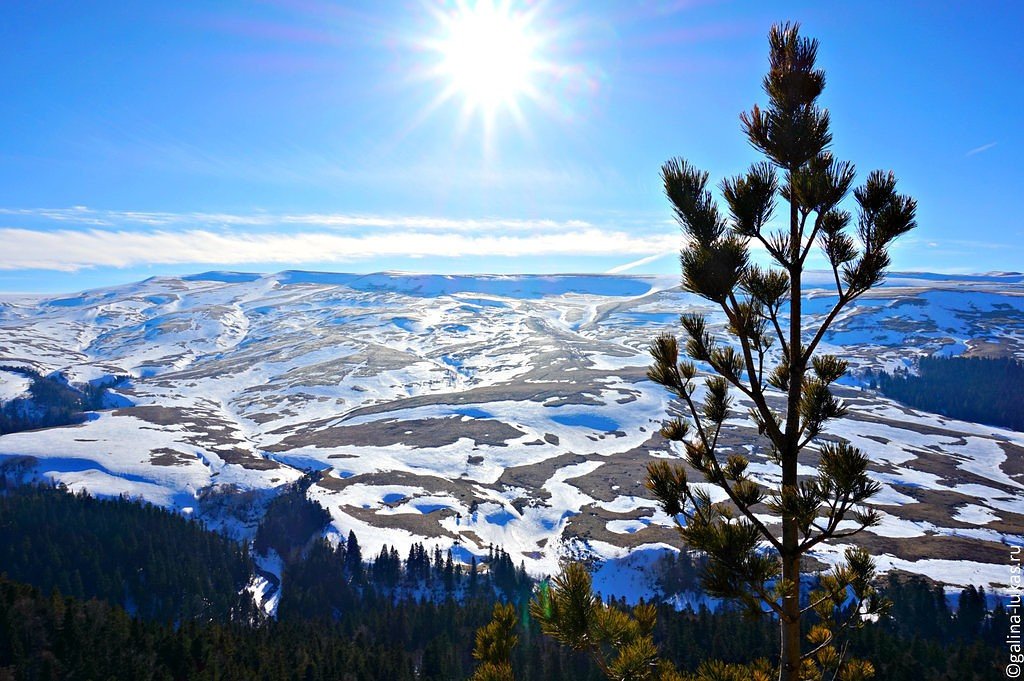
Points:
[(476, 410)]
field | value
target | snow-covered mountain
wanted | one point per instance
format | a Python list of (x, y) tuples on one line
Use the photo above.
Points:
[(511, 410)]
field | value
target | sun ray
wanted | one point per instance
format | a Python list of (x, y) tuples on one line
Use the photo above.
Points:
[(489, 54)]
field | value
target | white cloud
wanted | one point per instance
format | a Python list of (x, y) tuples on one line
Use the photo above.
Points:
[(74, 249)]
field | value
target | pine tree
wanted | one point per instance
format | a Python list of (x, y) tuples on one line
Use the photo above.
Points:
[(494, 643), (354, 557), (769, 360), (621, 643)]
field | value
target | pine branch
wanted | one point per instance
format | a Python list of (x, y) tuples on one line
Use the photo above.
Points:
[(833, 635), (721, 481), (697, 421), (810, 239), (772, 603), (754, 377), (777, 254), (839, 664), (834, 518), (849, 533), (831, 534), (839, 286), (812, 606), (836, 309), (774, 316)]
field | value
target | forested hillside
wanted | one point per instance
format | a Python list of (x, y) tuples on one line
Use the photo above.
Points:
[(154, 563), (977, 389), (341, 618)]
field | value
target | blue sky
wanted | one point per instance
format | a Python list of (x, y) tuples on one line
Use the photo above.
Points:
[(173, 137)]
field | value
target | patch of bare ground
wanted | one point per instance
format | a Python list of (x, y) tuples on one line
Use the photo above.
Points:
[(474, 538), (591, 523), (907, 326), (160, 416), (622, 473), (989, 348), (431, 484), (163, 456), (1009, 523), (263, 417), (539, 388), (1014, 463), (934, 546), (246, 459), (423, 524), (210, 434), (416, 433), (933, 506), (939, 506), (533, 476), (374, 357)]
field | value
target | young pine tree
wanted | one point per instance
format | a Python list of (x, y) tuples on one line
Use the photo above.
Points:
[(769, 361), (619, 642), (494, 643)]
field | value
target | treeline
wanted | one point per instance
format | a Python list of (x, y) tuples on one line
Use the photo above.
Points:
[(331, 582), (152, 562), (56, 637), (925, 639), (977, 389), (324, 579), (51, 401), (344, 617)]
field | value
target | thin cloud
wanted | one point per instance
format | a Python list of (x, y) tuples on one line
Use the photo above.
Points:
[(71, 250), (81, 215), (978, 150), (639, 263)]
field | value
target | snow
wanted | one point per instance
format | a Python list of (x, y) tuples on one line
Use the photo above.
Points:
[(13, 385), (103, 484), (625, 504), (960, 573), (277, 367), (265, 585), (975, 514), (625, 526), (629, 573)]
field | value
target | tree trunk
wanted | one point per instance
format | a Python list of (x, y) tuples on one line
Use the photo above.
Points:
[(789, 651), (789, 664)]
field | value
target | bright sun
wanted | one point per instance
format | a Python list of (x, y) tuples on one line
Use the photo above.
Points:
[(488, 55)]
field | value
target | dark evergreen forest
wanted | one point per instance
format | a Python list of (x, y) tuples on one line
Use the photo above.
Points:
[(152, 562), (174, 610), (977, 389)]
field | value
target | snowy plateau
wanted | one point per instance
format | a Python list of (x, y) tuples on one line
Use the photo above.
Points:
[(474, 410)]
